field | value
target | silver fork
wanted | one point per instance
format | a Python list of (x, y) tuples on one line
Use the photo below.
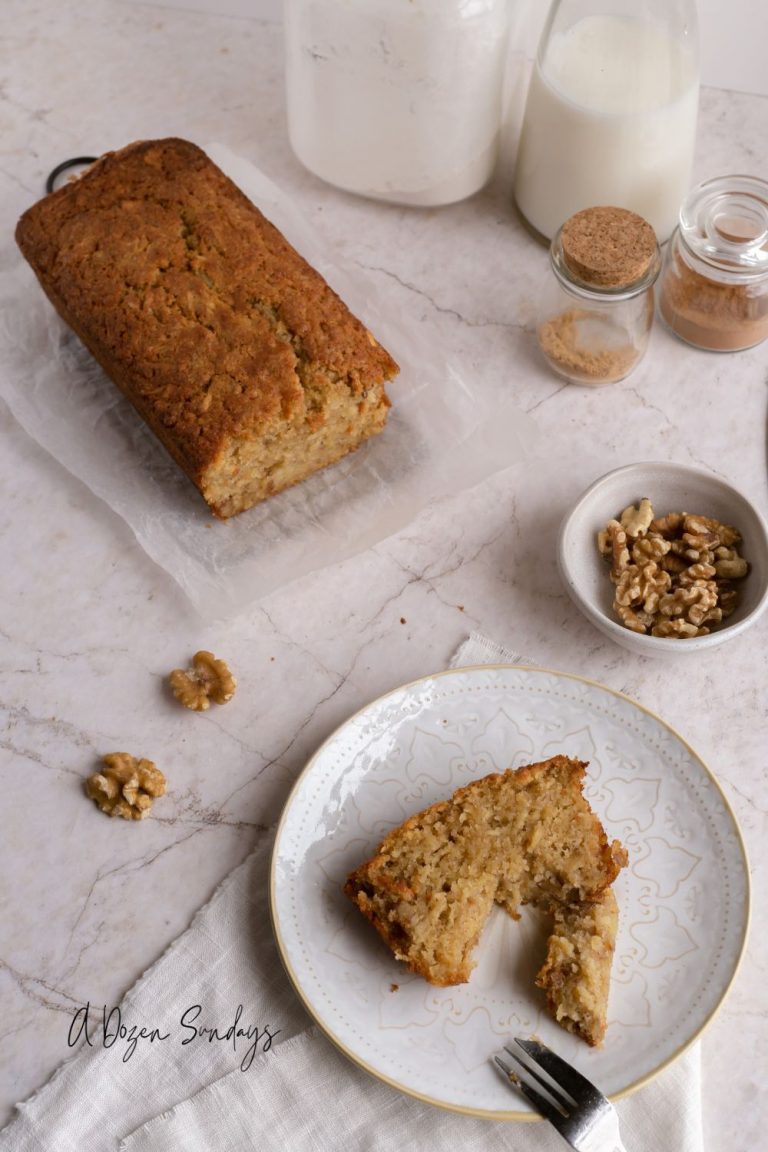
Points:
[(582, 1115)]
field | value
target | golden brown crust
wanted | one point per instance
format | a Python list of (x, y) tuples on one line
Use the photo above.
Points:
[(213, 326)]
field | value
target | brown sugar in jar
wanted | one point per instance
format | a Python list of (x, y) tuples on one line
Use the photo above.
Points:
[(597, 309), (714, 287)]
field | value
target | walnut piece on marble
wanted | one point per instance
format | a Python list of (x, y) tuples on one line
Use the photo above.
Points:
[(126, 787), (672, 573), (208, 679)]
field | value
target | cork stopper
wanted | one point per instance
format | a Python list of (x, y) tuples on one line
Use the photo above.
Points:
[(608, 247)]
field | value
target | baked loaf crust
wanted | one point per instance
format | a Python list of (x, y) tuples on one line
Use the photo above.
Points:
[(236, 353), (524, 836)]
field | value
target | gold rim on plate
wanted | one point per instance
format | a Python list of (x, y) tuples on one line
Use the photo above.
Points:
[(404, 689)]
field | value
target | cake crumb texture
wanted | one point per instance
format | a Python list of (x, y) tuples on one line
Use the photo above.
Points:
[(577, 971), (525, 836), (243, 361)]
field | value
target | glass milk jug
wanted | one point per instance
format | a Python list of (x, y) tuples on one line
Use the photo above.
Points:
[(399, 100), (611, 112)]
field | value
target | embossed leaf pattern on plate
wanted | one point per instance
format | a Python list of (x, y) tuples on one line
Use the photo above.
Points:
[(683, 898)]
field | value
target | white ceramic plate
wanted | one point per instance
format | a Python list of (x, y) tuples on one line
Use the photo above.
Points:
[(684, 897)]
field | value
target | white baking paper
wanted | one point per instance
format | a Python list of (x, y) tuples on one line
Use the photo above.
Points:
[(444, 435)]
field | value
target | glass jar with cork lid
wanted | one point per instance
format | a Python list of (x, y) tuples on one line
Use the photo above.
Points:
[(596, 312)]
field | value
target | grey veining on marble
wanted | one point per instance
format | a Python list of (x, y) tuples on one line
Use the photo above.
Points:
[(90, 626)]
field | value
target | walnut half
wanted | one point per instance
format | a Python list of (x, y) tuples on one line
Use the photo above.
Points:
[(126, 787), (208, 679), (636, 519)]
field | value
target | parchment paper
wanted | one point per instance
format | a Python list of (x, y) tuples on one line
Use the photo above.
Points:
[(444, 435)]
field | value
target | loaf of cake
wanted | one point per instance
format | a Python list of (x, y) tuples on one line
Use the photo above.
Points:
[(237, 354), (525, 836)]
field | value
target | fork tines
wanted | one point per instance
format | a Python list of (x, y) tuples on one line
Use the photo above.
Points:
[(561, 1094)]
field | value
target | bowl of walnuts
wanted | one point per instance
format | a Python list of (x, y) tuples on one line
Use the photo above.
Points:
[(665, 559)]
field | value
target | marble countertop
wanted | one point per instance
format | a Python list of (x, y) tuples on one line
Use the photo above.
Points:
[(91, 626)]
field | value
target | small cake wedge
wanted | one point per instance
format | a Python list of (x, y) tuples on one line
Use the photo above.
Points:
[(576, 974)]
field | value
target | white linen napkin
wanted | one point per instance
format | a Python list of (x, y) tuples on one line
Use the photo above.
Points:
[(296, 1092), (307, 1096)]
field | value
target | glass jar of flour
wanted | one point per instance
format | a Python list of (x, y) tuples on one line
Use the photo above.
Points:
[(399, 100), (611, 112)]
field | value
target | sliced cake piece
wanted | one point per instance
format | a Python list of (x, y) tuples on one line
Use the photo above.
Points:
[(431, 886), (525, 835)]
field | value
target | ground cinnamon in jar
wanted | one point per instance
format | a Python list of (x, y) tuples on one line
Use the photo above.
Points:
[(714, 289), (596, 313)]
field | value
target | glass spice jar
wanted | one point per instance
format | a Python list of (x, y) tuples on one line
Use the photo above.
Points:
[(596, 311), (714, 287)]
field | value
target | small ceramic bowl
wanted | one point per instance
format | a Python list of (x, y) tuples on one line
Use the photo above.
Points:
[(670, 488)]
